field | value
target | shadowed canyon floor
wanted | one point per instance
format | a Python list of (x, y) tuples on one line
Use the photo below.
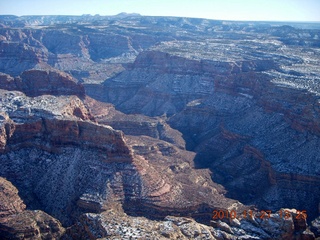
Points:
[(142, 127)]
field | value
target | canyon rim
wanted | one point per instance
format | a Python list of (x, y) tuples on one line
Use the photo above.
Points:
[(144, 127)]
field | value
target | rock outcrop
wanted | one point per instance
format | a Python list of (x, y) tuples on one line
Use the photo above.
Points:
[(10, 200), (259, 139), (229, 119), (50, 142), (185, 116), (18, 223), (40, 82), (51, 131), (134, 124), (115, 225), (17, 57)]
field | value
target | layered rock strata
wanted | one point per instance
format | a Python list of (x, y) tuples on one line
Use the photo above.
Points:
[(244, 97), (51, 142), (134, 124), (236, 121), (18, 223), (40, 82)]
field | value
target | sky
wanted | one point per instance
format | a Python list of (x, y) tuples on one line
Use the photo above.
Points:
[(259, 10)]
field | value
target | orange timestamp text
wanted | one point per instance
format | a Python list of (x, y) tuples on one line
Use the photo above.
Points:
[(263, 214)]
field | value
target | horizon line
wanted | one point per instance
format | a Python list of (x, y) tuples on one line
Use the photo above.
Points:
[(138, 14)]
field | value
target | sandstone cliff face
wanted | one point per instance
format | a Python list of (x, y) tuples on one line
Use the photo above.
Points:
[(173, 186), (18, 223), (164, 62), (17, 57), (40, 127), (260, 140), (90, 52), (159, 82), (51, 142), (40, 82), (260, 129), (10, 200), (135, 124)]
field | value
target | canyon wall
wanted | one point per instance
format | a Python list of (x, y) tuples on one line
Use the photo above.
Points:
[(158, 117), (252, 134)]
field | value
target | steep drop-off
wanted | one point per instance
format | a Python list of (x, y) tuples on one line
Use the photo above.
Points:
[(18, 223), (259, 138), (65, 163)]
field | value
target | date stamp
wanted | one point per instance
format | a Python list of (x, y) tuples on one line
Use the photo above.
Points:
[(263, 214)]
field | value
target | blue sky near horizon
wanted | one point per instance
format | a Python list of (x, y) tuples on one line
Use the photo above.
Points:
[(259, 10)]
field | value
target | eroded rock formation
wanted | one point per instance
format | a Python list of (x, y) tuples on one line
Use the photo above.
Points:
[(52, 142), (18, 223), (115, 225), (40, 82), (177, 107)]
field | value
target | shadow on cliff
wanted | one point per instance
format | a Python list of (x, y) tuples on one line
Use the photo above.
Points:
[(252, 182)]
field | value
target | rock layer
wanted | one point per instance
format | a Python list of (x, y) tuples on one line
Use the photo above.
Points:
[(88, 166), (243, 97), (18, 223), (135, 124), (10, 200), (237, 122), (40, 82)]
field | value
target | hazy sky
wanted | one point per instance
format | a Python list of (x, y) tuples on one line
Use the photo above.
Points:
[(282, 10)]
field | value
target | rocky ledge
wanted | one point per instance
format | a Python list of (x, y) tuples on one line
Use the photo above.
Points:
[(118, 225), (39, 82)]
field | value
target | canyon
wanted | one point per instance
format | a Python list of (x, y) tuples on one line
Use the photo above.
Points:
[(134, 126)]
